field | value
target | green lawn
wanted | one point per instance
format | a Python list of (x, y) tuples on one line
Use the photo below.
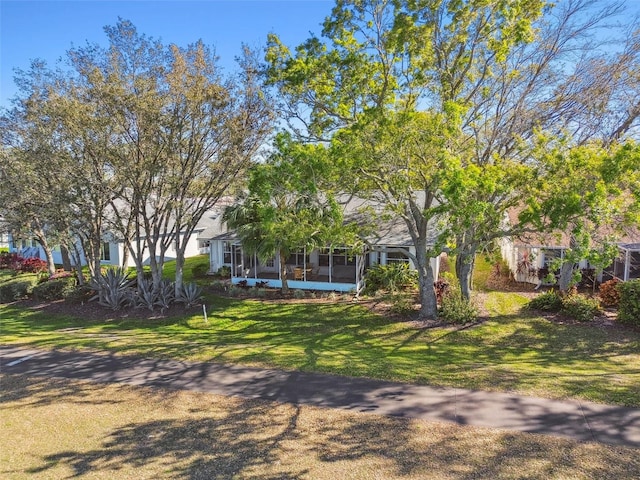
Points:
[(512, 351)]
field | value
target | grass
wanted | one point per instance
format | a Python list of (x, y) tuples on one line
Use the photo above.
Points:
[(169, 271), (515, 351), (62, 429)]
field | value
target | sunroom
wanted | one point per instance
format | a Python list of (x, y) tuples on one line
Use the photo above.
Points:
[(335, 269)]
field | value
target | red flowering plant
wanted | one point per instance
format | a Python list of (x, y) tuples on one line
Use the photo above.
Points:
[(33, 265)]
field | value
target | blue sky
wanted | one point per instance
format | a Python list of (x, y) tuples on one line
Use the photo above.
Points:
[(47, 29)]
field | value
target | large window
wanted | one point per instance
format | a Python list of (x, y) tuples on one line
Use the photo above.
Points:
[(397, 257), (105, 252)]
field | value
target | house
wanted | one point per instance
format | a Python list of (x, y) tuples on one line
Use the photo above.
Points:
[(530, 257), (338, 268), (113, 247)]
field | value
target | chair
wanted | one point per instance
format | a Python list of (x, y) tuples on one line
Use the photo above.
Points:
[(298, 273)]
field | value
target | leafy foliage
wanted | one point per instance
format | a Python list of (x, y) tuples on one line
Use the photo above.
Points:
[(33, 265), (577, 306), (55, 289), (609, 293), (190, 295), (580, 307), (391, 277), (17, 288), (629, 309), (548, 301), (199, 270), (455, 308)]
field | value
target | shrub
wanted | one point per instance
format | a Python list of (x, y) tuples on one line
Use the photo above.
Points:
[(261, 292), (79, 294), (55, 289), (402, 305), (629, 308), (11, 261), (391, 277), (33, 265), (457, 309), (580, 307), (442, 287), (199, 270), (219, 285), (166, 294), (548, 301), (146, 295), (609, 294), (299, 294), (17, 288), (224, 272)]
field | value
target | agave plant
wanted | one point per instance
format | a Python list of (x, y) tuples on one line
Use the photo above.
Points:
[(165, 294), (146, 296), (114, 288), (190, 295)]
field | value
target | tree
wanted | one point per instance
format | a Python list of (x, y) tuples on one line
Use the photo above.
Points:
[(589, 197), (283, 210), (381, 64), (34, 196), (150, 137)]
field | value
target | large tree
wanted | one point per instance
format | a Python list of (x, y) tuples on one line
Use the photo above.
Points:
[(181, 135), (497, 73), (403, 66), (151, 135)]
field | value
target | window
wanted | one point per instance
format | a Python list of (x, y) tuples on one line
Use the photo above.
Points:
[(298, 258), (105, 252), (270, 263), (550, 255), (226, 253), (397, 257)]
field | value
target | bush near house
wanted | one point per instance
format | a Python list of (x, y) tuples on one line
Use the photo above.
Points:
[(55, 289), (580, 307), (577, 306), (10, 261), (548, 301), (609, 294), (392, 278), (629, 308), (457, 309), (17, 288)]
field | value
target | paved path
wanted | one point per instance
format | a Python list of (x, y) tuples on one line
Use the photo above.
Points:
[(577, 420)]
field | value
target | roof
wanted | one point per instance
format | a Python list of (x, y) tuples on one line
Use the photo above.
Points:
[(385, 229), (628, 238)]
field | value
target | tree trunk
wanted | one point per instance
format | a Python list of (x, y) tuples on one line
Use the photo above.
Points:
[(66, 258), (179, 280), (51, 266), (465, 263), (77, 260), (426, 279), (566, 277), (283, 273)]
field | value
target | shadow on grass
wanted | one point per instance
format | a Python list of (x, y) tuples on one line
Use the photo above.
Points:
[(258, 440), (516, 352)]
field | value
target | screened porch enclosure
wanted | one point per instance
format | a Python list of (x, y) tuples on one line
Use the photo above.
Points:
[(320, 269), (626, 265)]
